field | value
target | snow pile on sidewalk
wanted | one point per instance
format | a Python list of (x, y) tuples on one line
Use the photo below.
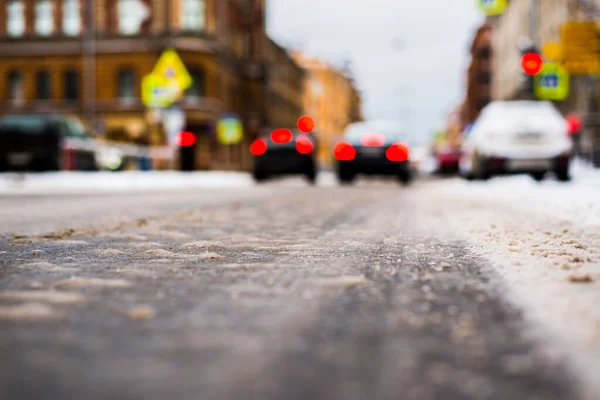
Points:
[(544, 239), (77, 182)]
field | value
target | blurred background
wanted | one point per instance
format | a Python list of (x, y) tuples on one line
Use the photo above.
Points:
[(190, 84)]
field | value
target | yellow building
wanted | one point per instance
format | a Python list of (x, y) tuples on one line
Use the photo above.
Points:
[(48, 65), (331, 99)]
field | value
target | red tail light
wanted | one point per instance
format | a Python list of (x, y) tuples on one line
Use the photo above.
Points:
[(187, 139), (344, 151), (304, 145), (258, 147), (573, 124), (373, 139), (398, 152), (282, 136)]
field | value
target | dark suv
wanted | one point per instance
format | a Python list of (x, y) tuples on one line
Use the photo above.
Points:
[(44, 143)]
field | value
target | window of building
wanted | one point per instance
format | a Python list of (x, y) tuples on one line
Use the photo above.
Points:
[(42, 85), (44, 17), (15, 23), (131, 15), (15, 86), (71, 17), (484, 77), (485, 52), (71, 85), (197, 89), (192, 15), (126, 82)]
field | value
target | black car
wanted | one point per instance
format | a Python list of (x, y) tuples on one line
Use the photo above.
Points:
[(285, 152), (44, 143), (372, 148)]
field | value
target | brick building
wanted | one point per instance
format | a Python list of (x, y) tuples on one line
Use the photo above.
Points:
[(87, 58), (479, 75)]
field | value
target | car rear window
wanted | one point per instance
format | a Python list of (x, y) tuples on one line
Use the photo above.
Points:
[(390, 131), (24, 125)]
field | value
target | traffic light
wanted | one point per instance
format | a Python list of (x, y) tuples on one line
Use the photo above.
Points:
[(531, 65)]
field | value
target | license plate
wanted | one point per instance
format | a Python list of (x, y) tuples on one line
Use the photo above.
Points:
[(529, 164), (19, 159), (370, 151), (530, 138)]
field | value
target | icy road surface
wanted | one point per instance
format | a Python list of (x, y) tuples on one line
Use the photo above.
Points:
[(443, 290)]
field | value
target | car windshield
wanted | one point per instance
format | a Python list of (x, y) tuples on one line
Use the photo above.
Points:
[(23, 124)]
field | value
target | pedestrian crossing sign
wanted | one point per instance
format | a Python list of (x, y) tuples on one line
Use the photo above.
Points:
[(171, 68), (230, 130), (158, 91), (492, 7), (552, 83)]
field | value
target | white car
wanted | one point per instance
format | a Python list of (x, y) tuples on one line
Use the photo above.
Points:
[(512, 137)]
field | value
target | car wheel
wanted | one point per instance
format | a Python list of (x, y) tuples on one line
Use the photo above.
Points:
[(259, 176), (538, 176), (563, 175), (480, 170), (405, 178), (346, 179), (311, 177)]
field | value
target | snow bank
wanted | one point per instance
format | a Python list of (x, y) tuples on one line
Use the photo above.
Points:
[(71, 182)]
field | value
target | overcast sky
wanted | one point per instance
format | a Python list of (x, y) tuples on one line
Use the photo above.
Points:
[(417, 85)]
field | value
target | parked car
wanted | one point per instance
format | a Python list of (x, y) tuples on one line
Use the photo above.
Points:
[(512, 137), (285, 152), (447, 158), (373, 148), (44, 143)]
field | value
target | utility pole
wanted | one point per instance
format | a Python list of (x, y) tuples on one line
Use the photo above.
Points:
[(533, 22), (89, 62)]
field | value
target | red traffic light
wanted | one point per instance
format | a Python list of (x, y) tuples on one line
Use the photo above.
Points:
[(532, 63)]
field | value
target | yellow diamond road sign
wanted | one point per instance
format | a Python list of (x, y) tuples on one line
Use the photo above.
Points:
[(158, 91), (172, 69)]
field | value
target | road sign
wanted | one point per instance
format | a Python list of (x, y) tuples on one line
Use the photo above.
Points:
[(552, 51), (158, 92), (171, 69), (174, 122), (552, 83), (580, 45), (492, 7), (230, 130)]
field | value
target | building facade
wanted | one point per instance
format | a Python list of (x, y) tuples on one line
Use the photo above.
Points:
[(331, 99), (285, 88), (479, 75), (87, 58)]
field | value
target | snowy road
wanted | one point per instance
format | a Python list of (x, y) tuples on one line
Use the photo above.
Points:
[(443, 290)]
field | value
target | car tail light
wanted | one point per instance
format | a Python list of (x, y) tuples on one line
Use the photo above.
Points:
[(344, 151), (304, 145), (573, 124), (258, 147), (373, 139), (397, 152), (187, 139), (282, 136)]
